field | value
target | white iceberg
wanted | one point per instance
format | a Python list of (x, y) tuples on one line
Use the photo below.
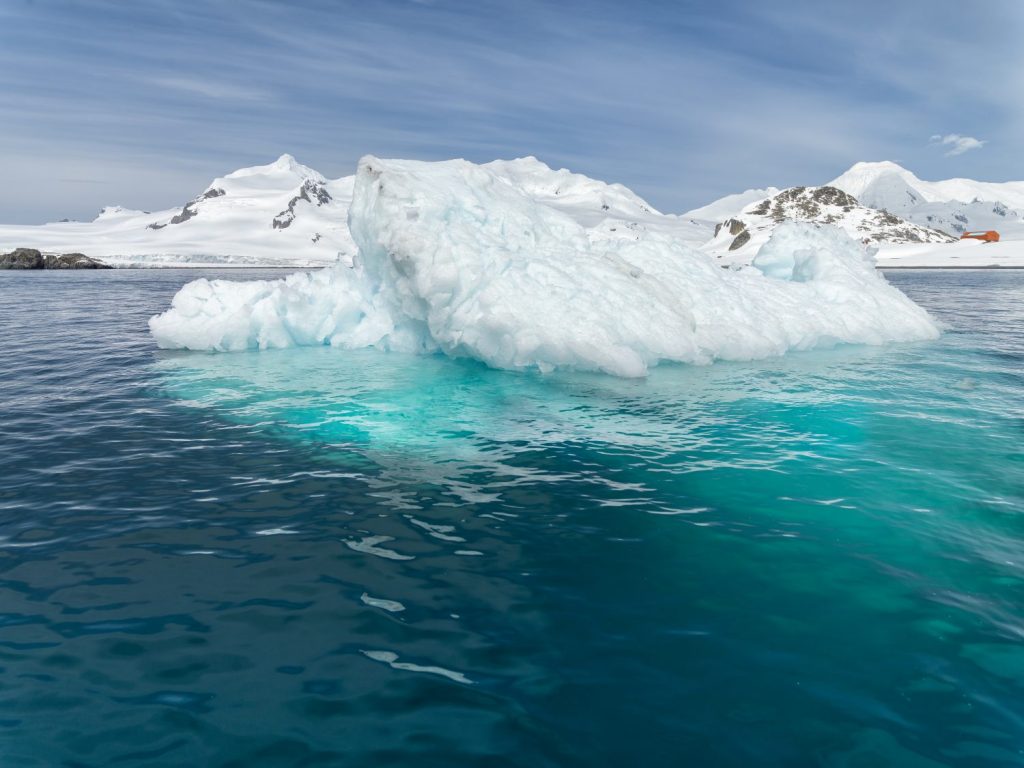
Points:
[(473, 262)]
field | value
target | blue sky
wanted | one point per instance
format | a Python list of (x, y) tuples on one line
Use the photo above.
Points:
[(143, 103)]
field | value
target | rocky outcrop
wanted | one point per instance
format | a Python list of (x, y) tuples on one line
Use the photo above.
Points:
[(805, 203), (735, 226), (742, 238), (22, 258), (189, 211), (30, 258), (73, 261), (737, 229), (830, 205), (311, 191)]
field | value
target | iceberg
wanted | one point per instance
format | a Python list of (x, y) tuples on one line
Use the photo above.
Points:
[(470, 261)]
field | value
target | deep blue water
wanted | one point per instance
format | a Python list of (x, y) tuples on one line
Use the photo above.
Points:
[(312, 557)]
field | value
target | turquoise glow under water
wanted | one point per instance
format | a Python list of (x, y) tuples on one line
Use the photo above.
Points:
[(317, 557)]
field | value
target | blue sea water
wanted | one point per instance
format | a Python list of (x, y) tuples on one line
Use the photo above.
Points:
[(315, 557)]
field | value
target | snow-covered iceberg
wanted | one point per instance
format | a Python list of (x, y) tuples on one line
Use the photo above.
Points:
[(469, 261)]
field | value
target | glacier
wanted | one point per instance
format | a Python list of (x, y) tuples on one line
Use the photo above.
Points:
[(479, 262)]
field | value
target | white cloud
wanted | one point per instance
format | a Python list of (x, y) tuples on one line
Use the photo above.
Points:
[(210, 89), (957, 144)]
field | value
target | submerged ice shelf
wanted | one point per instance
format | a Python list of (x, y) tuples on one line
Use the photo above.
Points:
[(461, 259)]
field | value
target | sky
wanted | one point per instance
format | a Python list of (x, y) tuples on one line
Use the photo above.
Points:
[(143, 103)]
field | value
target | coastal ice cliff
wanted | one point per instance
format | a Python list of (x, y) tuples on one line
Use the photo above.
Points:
[(474, 261)]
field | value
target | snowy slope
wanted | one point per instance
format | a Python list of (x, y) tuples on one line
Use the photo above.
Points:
[(289, 215), (282, 214), (960, 254), (861, 177), (739, 238), (480, 262), (954, 205), (730, 205)]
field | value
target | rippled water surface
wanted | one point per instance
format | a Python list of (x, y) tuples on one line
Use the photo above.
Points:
[(313, 557)]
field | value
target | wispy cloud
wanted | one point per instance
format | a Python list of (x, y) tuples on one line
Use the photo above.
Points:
[(957, 144), (210, 89)]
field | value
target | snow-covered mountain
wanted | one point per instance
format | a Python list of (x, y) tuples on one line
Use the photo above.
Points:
[(286, 214), (861, 178), (953, 205), (738, 239), (728, 206), (278, 214)]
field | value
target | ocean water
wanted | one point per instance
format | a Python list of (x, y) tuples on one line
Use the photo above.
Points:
[(312, 557)]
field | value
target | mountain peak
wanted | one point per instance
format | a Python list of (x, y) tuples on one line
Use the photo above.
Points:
[(877, 166), (285, 164), (880, 184)]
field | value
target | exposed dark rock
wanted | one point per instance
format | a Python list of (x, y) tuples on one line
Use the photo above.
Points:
[(188, 212), (830, 205), (310, 191), (30, 258), (22, 258), (741, 239), (735, 226), (834, 196), (806, 204), (73, 261), (321, 194)]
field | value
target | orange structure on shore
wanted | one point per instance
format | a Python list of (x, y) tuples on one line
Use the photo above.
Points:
[(988, 236)]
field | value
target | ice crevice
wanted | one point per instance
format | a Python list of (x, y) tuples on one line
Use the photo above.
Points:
[(462, 259)]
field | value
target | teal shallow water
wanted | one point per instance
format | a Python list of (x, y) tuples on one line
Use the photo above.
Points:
[(313, 557)]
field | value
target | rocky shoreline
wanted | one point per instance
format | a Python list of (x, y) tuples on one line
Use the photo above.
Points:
[(30, 258)]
